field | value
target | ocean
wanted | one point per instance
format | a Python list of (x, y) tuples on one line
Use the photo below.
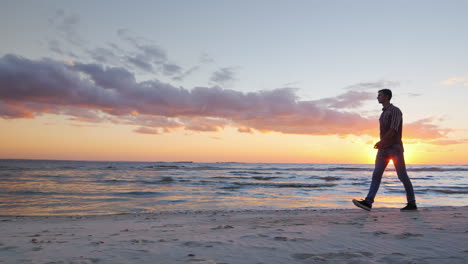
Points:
[(42, 187)]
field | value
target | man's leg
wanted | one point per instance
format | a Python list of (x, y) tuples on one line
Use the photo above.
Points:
[(399, 162), (381, 162)]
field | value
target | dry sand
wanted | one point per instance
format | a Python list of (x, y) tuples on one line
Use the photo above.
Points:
[(430, 235)]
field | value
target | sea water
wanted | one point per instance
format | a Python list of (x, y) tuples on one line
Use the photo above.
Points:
[(36, 187)]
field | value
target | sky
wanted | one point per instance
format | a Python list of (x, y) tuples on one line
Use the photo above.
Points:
[(222, 81)]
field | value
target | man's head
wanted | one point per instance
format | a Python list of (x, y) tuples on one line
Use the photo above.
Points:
[(384, 96)]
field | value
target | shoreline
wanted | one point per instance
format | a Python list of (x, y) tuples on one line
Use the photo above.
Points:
[(383, 235), (239, 211)]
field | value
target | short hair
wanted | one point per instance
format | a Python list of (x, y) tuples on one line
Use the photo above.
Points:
[(386, 92)]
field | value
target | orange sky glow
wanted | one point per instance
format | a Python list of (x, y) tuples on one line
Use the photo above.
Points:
[(52, 137), (139, 85)]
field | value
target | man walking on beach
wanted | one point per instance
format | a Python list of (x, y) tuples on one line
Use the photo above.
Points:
[(390, 147)]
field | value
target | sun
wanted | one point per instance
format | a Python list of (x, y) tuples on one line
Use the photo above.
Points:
[(408, 154), (409, 157), (371, 154)]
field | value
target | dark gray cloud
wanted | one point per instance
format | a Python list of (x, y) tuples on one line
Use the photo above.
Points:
[(97, 93), (55, 46), (186, 73), (153, 53), (223, 75), (171, 69), (104, 56), (135, 53), (145, 54), (140, 62)]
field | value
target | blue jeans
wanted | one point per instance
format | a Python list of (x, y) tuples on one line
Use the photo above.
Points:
[(384, 156)]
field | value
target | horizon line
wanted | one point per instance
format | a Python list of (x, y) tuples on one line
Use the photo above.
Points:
[(189, 161)]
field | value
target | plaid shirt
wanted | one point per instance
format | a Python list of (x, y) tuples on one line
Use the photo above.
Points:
[(391, 118)]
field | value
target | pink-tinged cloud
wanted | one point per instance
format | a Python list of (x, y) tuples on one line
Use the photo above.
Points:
[(95, 93), (9, 111), (245, 130), (445, 142), (424, 129), (453, 81), (146, 130), (204, 124)]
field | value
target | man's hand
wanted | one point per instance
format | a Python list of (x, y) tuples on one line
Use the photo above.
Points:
[(384, 140), (378, 145)]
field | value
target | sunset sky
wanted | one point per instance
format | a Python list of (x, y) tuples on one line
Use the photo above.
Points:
[(246, 81)]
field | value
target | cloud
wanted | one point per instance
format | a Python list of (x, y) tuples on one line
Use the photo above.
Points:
[(91, 92), (445, 142), (54, 46), (67, 27), (291, 84), (205, 58), (162, 123), (146, 55), (186, 73), (135, 53), (104, 56), (146, 130), (171, 69), (245, 130), (382, 84), (425, 129), (85, 115), (350, 99), (140, 62), (414, 94), (153, 52), (57, 47), (452, 81), (223, 75), (204, 124), (430, 133), (10, 111)]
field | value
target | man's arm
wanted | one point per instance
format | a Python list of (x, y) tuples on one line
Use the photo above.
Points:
[(384, 141), (396, 119)]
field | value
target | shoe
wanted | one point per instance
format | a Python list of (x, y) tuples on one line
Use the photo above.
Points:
[(362, 204), (409, 207)]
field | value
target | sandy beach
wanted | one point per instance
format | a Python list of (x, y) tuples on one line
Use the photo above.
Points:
[(430, 235)]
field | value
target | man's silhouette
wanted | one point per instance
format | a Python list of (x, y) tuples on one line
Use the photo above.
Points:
[(390, 147)]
